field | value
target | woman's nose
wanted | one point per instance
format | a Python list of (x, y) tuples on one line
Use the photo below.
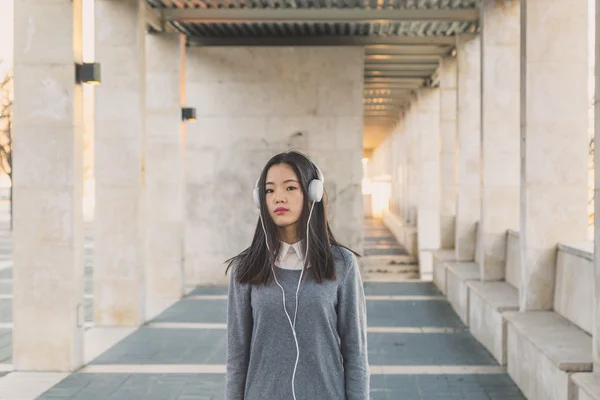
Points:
[(279, 198)]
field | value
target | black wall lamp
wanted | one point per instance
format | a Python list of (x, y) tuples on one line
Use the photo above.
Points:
[(88, 73), (188, 114)]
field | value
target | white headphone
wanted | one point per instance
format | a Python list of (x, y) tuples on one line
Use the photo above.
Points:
[(315, 195)]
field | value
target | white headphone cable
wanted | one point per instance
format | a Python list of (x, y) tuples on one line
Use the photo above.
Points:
[(293, 325), (304, 261)]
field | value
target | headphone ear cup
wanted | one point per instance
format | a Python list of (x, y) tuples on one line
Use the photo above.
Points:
[(256, 197), (315, 190), (255, 194)]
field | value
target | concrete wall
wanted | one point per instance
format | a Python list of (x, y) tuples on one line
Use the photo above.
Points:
[(251, 104), (513, 259), (574, 287)]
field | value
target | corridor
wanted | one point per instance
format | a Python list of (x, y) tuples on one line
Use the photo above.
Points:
[(418, 347)]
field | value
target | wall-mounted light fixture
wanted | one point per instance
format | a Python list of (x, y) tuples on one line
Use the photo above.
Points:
[(87, 73), (188, 114)]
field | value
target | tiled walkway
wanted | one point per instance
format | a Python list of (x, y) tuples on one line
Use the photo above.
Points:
[(379, 241), (418, 347)]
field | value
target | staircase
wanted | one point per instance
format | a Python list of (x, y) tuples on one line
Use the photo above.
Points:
[(385, 259)]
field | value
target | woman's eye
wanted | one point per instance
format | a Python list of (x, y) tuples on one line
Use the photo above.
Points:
[(291, 188), (269, 191)]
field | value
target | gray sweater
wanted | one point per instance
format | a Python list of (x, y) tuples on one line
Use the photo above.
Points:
[(332, 335)]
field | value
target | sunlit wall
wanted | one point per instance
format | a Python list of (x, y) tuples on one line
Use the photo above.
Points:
[(376, 184)]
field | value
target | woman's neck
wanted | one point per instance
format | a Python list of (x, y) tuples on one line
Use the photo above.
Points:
[(288, 234)]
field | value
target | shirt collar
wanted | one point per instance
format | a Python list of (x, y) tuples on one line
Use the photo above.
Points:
[(286, 247)]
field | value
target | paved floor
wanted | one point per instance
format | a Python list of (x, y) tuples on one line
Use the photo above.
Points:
[(418, 347), (379, 240)]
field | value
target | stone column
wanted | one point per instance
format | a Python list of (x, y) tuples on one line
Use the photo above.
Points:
[(395, 172), (400, 165), (448, 152), (400, 132), (500, 134), (412, 160), (403, 132), (120, 218), (428, 199), (48, 187), (164, 165), (596, 317), (428, 196), (554, 140), (469, 128)]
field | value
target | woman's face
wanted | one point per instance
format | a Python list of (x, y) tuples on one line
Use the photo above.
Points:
[(283, 195)]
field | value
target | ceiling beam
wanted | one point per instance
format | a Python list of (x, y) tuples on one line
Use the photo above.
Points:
[(382, 107), (378, 59), (318, 40), (371, 106), (386, 92), (370, 98), (155, 22), (414, 49), (381, 118), (390, 86), (400, 90), (398, 74), (400, 67), (395, 107), (373, 101), (398, 81), (393, 92), (393, 112), (385, 99), (314, 15), (389, 114)]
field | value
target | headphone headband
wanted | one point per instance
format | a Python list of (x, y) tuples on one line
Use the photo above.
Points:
[(319, 173)]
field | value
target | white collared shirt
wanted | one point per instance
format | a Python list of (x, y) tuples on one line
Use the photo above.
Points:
[(290, 256)]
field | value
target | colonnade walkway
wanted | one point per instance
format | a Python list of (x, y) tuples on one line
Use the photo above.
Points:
[(418, 347)]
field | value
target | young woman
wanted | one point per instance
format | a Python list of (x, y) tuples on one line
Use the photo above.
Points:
[(296, 323)]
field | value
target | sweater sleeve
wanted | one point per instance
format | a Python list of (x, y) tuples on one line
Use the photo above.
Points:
[(239, 336), (352, 329)]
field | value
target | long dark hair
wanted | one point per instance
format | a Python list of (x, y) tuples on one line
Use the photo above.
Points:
[(253, 265)]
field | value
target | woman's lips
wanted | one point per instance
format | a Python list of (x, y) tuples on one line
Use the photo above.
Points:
[(280, 211)]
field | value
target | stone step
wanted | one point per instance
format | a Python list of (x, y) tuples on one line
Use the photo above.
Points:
[(396, 269), (588, 385), (399, 266), (384, 277), (389, 260)]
